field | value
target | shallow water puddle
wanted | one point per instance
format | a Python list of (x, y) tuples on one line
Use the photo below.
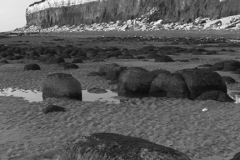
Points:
[(36, 96)]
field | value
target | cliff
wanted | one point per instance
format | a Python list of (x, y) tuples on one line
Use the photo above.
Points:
[(49, 13)]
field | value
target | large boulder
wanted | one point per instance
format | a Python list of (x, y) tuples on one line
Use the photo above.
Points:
[(229, 65), (103, 69), (159, 71), (169, 85), (164, 59), (110, 146), (215, 95), (202, 80), (135, 82), (236, 156), (71, 66), (32, 66), (114, 73), (59, 85)]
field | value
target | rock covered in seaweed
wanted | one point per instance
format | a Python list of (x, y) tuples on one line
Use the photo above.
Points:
[(111, 146)]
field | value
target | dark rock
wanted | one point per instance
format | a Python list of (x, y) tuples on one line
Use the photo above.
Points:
[(54, 60), (53, 108), (202, 80), (60, 85), (152, 55), (117, 146), (211, 52), (77, 60), (4, 61), (205, 66), (34, 54), (103, 69), (228, 80), (169, 85), (164, 59), (184, 60), (215, 95), (135, 82), (63, 64), (237, 71), (159, 71), (94, 74), (71, 66), (32, 67), (140, 57), (97, 90), (98, 60), (236, 156), (218, 66), (113, 82), (229, 65), (91, 53), (113, 73), (39, 50)]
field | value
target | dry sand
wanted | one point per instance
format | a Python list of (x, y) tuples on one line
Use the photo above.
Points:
[(27, 133)]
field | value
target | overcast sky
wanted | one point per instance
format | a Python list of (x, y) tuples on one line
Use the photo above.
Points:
[(12, 13)]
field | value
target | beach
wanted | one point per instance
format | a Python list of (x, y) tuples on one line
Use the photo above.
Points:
[(203, 130)]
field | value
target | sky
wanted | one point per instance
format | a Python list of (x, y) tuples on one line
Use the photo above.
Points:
[(12, 14)]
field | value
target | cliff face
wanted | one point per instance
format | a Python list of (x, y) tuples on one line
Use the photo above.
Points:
[(75, 12)]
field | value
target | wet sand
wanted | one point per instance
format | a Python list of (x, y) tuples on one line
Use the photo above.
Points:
[(27, 133)]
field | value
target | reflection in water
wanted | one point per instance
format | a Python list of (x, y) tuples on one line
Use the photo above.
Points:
[(234, 95), (36, 96)]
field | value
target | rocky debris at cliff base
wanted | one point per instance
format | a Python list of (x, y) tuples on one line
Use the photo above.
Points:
[(141, 24)]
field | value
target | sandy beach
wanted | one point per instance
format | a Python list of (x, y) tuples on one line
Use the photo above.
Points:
[(27, 133)]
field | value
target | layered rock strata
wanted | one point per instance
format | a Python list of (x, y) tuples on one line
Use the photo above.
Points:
[(48, 13)]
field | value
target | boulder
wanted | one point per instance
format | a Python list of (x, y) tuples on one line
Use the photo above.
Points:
[(237, 71), (114, 73), (135, 82), (159, 71), (236, 156), (71, 66), (77, 60), (32, 66), (94, 74), (215, 95), (152, 55), (164, 59), (218, 66), (60, 85), (4, 61), (202, 80), (53, 108), (110, 146), (229, 65), (91, 53), (103, 69), (169, 85)]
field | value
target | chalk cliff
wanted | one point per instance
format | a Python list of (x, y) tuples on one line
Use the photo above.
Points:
[(47, 13)]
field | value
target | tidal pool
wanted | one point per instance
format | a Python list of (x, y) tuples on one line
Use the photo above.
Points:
[(36, 96)]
